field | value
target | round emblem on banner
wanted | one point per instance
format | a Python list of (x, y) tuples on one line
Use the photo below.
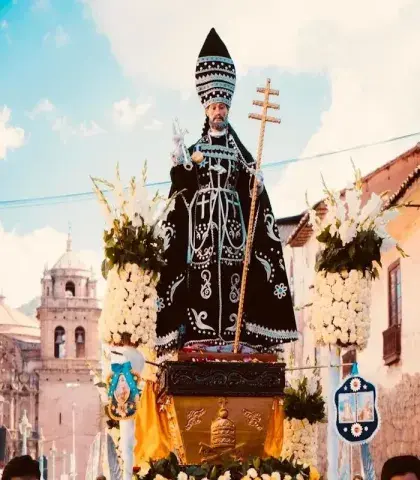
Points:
[(357, 416)]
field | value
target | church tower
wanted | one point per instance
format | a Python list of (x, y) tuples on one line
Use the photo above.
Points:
[(69, 405)]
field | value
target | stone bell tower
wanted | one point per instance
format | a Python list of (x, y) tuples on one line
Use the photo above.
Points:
[(69, 405)]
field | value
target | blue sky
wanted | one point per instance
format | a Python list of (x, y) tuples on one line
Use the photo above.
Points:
[(82, 80), (86, 60)]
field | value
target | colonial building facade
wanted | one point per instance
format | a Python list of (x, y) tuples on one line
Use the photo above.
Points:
[(391, 358)]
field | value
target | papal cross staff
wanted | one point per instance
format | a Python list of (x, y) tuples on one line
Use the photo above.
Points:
[(264, 118)]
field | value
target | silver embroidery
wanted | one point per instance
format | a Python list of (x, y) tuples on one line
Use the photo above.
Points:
[(271, 227), (167, 339), (233, 318), (175, 286), (234, 290), (160, 304), (271, 333), (280, 290), (206, 288), (265, 264), (168, 233), (198, 318)]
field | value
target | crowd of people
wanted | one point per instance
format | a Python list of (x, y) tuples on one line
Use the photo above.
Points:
[(406, 467), (26, 468)]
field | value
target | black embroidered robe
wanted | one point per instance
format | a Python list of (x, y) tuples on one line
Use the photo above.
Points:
[(198, 294)]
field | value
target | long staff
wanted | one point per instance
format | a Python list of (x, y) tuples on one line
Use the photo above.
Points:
[(267, 91)]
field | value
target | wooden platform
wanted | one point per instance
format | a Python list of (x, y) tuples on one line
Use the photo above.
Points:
[(226, 357), (222, 379), (220, 404)]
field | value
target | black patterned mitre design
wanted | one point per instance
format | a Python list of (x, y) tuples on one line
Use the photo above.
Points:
[(215, 74)]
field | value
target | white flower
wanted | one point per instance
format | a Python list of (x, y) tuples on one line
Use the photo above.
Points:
[(347, 231), (372, 208), (353, 201), (356, 430), (252, 473)]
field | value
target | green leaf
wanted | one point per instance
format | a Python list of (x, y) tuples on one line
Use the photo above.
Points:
[(105, 269)]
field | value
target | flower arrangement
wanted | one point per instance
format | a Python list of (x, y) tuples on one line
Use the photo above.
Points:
[(303, 400), (304, 407), (135, 241), (353, 237), (254, 469), (352, 240)]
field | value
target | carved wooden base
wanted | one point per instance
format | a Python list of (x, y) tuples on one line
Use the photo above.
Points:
[(219, 409), (222, 379)]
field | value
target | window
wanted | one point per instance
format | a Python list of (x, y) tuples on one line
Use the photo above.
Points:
[(70, 289), (348, 359), (59, 418), (59, 342), (317, 355), (80, 342), (48, 291), (394, 294)]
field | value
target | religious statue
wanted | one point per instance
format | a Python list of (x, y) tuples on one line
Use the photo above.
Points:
[(206, 233)]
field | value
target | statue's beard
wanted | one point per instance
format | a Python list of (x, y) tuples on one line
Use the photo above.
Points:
[(218, 124)]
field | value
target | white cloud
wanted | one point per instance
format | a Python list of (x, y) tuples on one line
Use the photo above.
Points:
[(368, 50), (60, 37), (62, 126), (91, 130), (127, 113), (23, 257), (10, 137), (3, 25), (66, 130), (43, 106), (154, 125)]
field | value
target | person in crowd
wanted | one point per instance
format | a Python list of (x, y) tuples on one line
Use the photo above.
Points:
[(22, 468), (405, 467)]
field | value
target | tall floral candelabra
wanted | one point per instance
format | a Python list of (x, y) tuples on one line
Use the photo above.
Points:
[(304, 408), (135, 241), (352, 238)]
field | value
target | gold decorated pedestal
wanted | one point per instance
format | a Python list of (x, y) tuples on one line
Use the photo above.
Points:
[(222, 409)]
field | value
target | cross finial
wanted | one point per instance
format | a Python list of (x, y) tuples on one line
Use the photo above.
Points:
[(69, 239)]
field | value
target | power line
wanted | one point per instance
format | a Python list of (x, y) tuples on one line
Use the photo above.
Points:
[(83, 196)]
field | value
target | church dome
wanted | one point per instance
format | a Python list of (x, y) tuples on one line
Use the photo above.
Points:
[(70, 260), (16, 325)]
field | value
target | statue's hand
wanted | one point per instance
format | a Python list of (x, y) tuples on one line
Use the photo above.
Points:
[(259, 178)]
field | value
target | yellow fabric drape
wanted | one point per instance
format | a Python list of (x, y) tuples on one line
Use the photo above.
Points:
[(152, 430), (314, 474), (274, 440)]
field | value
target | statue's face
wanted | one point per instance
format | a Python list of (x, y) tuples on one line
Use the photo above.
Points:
[(218, 114)]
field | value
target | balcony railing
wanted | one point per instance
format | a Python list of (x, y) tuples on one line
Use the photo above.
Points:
[(392, 344)]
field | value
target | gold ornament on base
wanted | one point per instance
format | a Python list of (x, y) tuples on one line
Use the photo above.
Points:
[(222, 438)]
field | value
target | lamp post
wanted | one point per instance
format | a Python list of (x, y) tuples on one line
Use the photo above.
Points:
[(41, 453), (64, 472), (73, 473), (25, 429), (53, 452), (1, 409)]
